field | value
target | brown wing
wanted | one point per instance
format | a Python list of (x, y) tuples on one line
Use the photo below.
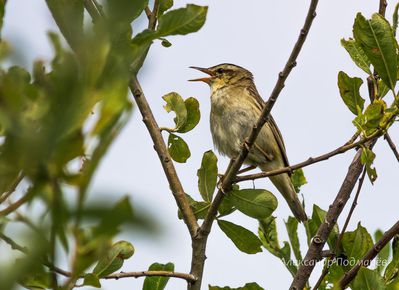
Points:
[(279, 139), (272, 124)]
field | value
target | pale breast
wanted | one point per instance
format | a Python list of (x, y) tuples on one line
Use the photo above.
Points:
[(232, 118)]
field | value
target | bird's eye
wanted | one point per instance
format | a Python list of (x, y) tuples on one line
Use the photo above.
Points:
[(220, 71)]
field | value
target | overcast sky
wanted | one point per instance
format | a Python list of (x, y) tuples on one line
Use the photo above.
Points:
[(259, 36)]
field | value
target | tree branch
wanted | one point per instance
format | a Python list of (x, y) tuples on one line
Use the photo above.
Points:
[(185, 276), (14, 206), (341, 235), (370, 255), (309, 161), (392, 145), (330, 220), (164, 157), (199, 243), (14, 186)]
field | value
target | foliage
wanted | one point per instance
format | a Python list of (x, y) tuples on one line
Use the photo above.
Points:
[(58, 122)]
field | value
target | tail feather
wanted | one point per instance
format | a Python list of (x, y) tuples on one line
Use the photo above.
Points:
[(284, 184)]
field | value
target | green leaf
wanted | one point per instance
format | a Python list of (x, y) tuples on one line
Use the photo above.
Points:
[(175, 103), (245, 240), (383, 255), (125, 10), (349, 90), (298, 179), (182, 21), (193, 115), (314, 223), (268, 235), (394, 285), (158, 283), (395, 19), (357, 54), (269, 238), (178, 149), (226, 208), (374, 113), (367, 159), (248, 286), (164, 5), (367, 279), (357, 243), (68, 14), (2, 12), (112, 219), (91, 280), (207, 175), (200, 208), (382, 89), (113, 260), (256, 203), (392, 270), (292, 230), (376, 38)]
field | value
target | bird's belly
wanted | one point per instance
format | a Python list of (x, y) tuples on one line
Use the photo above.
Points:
[(229, 128)]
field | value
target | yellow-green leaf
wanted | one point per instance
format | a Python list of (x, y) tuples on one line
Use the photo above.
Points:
[(245, 240), (178, 149), (349, 91), (375, 37), (207, 175)]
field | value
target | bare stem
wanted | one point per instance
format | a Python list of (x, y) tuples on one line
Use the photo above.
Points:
[(13, 187), (370, 255), (309, 161), (185, 276), (392, 145)]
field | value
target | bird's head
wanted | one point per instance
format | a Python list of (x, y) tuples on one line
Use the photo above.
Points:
[(223, 75)]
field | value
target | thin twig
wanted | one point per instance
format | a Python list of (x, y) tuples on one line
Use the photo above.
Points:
[(350, 213), (383, 7), (341, 235), (370, 255), (199, 244), (310, 160), (152, 22), (14, 206), (392, 145), (185, 276), (13, 187), (92, 8)]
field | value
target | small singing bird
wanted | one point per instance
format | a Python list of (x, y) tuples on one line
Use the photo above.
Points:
[(235, 108)]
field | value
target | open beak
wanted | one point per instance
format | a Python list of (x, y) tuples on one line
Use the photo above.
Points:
[(204, 70)]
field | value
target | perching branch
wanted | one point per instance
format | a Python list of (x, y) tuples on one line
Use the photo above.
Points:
[(309, 161), (370, 255), (199, 244)]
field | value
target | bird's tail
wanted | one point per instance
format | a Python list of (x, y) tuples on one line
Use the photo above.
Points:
[(284, 185)]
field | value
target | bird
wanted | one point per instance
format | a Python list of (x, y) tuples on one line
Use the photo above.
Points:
[(235, 108)]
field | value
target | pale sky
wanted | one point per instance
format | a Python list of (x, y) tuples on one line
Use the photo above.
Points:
[(259, 36)]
